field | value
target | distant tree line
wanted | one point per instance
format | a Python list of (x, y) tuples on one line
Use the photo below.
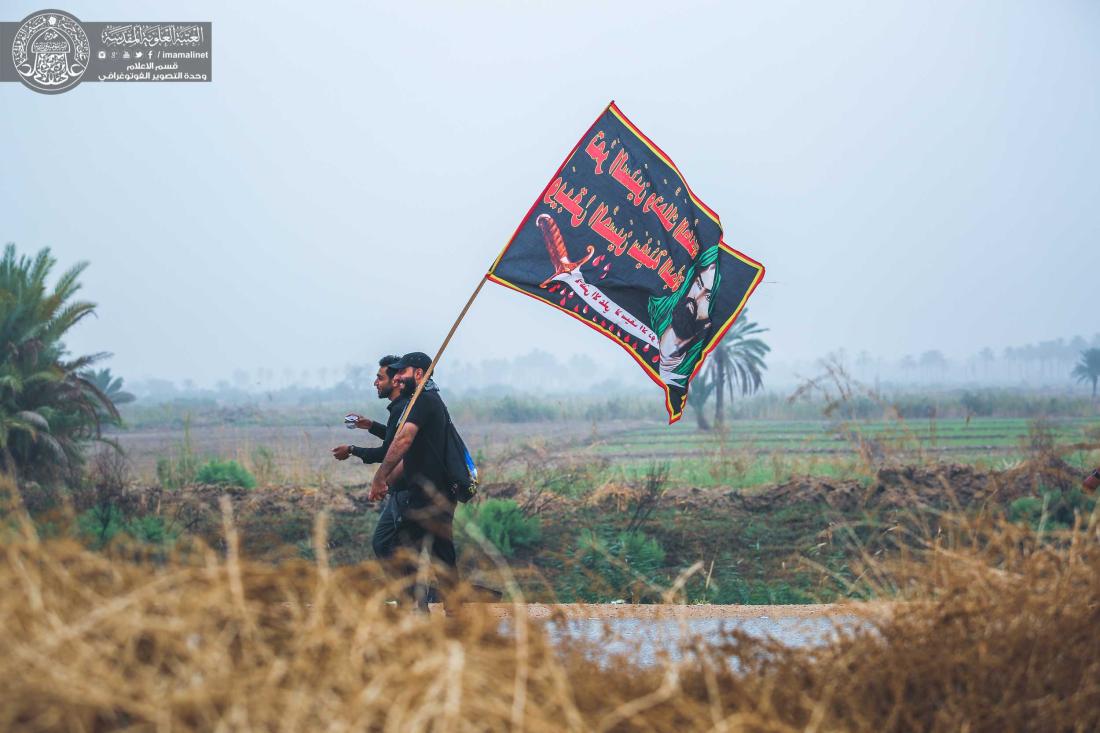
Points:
[(1044, 363)]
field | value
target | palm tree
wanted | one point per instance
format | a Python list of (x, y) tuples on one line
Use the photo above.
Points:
[(702, 387), (47, 408), (1088, 368), (737, 362), (111, 386)]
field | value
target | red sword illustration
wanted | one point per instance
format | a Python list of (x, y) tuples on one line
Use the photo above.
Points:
[(555, 245)]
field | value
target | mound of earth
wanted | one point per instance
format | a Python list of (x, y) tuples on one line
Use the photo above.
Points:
[(265, 501), (944, 486)]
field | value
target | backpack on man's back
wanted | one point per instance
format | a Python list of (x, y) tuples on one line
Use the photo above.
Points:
[(459, 469)]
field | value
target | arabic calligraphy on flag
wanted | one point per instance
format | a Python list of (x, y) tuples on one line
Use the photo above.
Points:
[(618, 241)]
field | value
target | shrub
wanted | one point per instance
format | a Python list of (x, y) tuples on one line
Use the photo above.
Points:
[(501, 522), (104, 523), (916, 407), (151, 530), (104, 482), (575, 478), (263, 464), (1026, 509), (99, 525), (512, 409), (730, 587), (225, 473), (1053, 509), (164, 473), (174, 473), (348, 539), (625, 565), (979, 404)]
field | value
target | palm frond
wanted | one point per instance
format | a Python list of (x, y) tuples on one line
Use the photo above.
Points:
[(46, 409)]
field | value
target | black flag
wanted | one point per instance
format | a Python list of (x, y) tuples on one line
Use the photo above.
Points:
[(619, 242)]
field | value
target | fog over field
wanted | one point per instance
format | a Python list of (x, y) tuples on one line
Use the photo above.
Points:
[(915, 177)]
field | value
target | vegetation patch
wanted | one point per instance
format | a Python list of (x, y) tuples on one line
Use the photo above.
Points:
[(225, 473), (499, 521)]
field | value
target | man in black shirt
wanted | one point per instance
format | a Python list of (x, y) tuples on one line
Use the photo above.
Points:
[(385, 537), (413, 471), (387, 390), (390, 389)]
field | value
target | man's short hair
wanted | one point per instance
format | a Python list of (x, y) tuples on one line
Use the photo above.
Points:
[(387, 363)]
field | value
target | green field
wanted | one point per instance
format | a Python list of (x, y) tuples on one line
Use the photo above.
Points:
[(751, 453)]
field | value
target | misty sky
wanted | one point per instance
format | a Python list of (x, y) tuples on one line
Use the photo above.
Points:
[(913, 175)]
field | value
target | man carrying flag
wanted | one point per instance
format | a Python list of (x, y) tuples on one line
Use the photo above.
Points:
[(618, 241), (420, 512)]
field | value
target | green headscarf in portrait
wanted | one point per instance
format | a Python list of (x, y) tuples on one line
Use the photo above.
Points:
[(661, 308)]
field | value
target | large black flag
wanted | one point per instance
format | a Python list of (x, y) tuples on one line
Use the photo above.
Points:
[(619, 242)]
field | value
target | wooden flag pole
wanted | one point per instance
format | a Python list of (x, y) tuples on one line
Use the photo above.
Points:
[(442, 348)]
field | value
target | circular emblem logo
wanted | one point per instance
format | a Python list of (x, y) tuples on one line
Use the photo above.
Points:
[(50, 51)]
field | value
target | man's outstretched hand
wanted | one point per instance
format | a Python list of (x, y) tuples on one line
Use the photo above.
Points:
[(363, 423), (341, 452)]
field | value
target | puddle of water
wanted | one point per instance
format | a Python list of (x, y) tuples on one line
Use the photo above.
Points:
[(645, 640)]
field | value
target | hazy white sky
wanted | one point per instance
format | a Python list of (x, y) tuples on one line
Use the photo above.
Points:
[(913, 175)]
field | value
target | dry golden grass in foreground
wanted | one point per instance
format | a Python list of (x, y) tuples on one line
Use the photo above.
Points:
[(1001, 633)]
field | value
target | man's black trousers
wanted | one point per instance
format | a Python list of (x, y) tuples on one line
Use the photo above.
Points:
[(407, 524)]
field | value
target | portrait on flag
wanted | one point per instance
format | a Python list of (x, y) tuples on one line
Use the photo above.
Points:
[(618, 241)]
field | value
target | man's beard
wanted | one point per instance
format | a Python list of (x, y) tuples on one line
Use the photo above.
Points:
[(408, 386), (684, 323)]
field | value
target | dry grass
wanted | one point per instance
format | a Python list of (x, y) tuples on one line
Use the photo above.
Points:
[(1000, 634)]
